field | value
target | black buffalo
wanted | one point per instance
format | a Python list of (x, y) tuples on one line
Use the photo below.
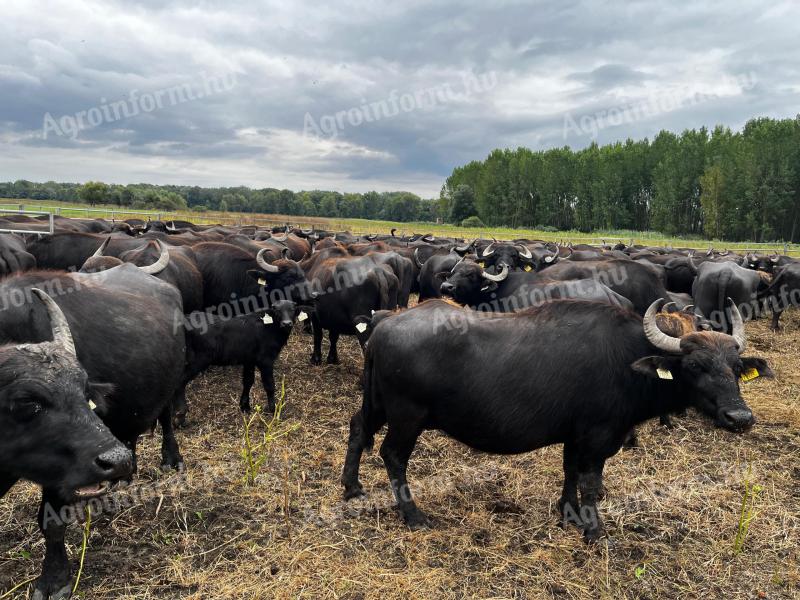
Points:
[(472, 378), (250, 340), (50, 435), (469, 283)]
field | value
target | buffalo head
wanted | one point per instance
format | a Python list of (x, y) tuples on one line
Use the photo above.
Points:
[(707, 365), (49, 432)]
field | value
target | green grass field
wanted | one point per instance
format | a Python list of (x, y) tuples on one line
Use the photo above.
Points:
[(364, 226)]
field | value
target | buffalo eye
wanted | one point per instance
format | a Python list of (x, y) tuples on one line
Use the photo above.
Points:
[(26, 408)]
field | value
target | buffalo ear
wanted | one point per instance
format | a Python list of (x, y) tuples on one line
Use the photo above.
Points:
[(659, 367), (97, 394), (441, 275), (758, 364), (258, 275)]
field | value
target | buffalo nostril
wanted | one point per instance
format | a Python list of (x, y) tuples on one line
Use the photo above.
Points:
[(739, 416), (115, 463)]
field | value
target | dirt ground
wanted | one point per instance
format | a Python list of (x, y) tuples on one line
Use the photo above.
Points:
[(671, 511)]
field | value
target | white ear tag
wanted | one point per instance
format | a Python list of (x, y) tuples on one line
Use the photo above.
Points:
[(361, 327), (267, 320), (262, 281), (92, 405), (664, 373), (302, 316)]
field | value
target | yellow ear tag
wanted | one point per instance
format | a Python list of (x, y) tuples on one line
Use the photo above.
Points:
[(262, 281), (481, 264), (750, 374), (302, 316), (664, 373), (528, 268), (361, 327), (92, 405), (267, 320)]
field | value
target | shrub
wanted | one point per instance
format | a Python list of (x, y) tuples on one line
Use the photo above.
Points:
[(472, 221)]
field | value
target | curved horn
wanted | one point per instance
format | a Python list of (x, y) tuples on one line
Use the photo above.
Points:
[(172, 228), (416, 258), (655, 336), (499, 277), (264, 264), (737, 326), (283, 238), (466, 247), (486, 251), (428, 238), (285, 253), (745, 261), (524, 251), (160, 264), (393, 230), (62, 336), (101, 249), (775, 259), (458, 262), (554, 256)]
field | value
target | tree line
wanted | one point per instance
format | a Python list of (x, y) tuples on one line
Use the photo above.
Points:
[(742, 185), (391, 206)]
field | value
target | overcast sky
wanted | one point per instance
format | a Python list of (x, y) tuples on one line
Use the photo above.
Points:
[(374, 95)]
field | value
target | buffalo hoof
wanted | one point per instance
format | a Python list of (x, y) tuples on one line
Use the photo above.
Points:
[(354, 491), (592, 536), (332, 360), (179, 420), (244, 406), (45, 592), (316, 360), (174, 465), (417, 520)]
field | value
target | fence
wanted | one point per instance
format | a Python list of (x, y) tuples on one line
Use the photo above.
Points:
[(50, 222)]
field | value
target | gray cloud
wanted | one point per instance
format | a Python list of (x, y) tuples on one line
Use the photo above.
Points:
[(552, 61)]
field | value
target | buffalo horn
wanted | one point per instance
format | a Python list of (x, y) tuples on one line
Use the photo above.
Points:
[(264, 264), (655, 336), (499, 277), (62, 337), (160, 264)]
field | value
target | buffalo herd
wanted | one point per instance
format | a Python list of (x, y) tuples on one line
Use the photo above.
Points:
[(512, 346)]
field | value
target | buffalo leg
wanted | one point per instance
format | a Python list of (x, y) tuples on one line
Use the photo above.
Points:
[(568, 506), (55, 581), (316, 354), (268, 381), (356, 443), (179, 409), (590, 482), (333, 353), (248, 377), (131, 445), (395, 451), (666, 421), (776, 315), (6, 483), (170, 454), (631, 440)]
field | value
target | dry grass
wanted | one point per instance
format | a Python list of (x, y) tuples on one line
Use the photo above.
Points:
[(672, 506)]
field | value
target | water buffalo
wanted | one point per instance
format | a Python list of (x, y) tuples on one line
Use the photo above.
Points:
[(464, 373), (251, 340), (50, 435), (469, 283)]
